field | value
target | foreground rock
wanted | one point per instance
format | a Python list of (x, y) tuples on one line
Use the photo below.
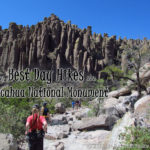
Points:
[(141, 112), (114, 140), (142, 105), (7, 142)]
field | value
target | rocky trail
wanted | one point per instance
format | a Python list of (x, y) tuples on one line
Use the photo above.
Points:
[(62, 133), (74, 129)]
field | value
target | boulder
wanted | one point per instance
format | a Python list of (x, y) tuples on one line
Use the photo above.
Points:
[(117, 111), (60, 108), (121, 92), (145, 71), (142, 105), (141, 112), (124, 91), (80, 115), (113, 94), (83, 113), (59, 120), (7, 142), (114, 141), (57, 132), (113, 106), (101, 122), (110, 102), (60, 146), (130, 100)]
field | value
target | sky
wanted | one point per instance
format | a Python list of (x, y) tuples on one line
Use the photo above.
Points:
[(125, 18)]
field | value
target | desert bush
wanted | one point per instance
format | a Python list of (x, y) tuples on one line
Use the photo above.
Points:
[(135, 138)]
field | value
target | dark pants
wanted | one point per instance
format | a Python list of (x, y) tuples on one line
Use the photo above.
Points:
[(36, 144)]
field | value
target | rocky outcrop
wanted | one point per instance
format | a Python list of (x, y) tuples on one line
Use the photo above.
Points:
[(114, 140), (52, 44)]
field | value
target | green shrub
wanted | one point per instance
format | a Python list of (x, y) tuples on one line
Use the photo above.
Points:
[(135, 138), (14, 111), (66, 101), (85, 103)]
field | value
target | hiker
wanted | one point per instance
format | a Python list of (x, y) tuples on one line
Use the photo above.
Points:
[(36, 126), (77, 104), (73, 104), (45, 111), (80, 103)]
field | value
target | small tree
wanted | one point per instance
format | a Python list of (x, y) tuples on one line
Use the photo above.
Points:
[(134, 63)]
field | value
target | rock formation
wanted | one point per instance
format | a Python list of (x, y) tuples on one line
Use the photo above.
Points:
[(52, 44)]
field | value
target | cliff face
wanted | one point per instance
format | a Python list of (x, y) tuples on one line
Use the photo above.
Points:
[(52, 44)]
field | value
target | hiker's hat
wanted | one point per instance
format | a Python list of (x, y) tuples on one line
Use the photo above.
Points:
[(44, 103), (36, 106)]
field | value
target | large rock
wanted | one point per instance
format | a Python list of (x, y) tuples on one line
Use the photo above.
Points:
[(117, 111), (59, 120), (7, 142), (141, 112), (121, 92), (57, 132), (60, 108), (101, 122), (110, 102), (142, 105), (114, 141), (113, 106), (82, 113)]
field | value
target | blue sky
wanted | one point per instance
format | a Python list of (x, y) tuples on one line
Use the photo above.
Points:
[(130, 18)]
